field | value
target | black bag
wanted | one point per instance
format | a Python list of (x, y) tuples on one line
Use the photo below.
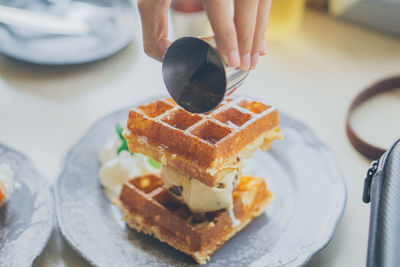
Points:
[(382, 188)]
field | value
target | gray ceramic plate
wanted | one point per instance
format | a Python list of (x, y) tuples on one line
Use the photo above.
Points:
[(26, 220), (301, 171), (116, 33)]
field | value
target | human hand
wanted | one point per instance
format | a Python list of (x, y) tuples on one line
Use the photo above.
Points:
[(240, 40)]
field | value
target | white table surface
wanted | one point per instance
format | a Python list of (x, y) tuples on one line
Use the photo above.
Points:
[(313, 76)]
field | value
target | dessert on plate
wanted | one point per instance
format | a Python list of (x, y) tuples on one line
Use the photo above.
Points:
[(6, 183), (118, 164), (200, 198)]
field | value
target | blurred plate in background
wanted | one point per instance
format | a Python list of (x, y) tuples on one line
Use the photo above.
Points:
[(26, 220), (112, 29)]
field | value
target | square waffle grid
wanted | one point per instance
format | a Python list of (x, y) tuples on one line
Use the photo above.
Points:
[(202, 146), (211, 128), (151, 209), (152, 186), (151, 206)]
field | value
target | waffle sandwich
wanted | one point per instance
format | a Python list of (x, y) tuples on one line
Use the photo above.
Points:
[(200, 199)]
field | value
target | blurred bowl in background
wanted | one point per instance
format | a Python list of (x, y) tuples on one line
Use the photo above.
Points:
[(109, 34)]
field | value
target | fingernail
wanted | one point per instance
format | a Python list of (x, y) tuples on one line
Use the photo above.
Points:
[(254, 60), (233, 58), (264, 48), (245, 61)]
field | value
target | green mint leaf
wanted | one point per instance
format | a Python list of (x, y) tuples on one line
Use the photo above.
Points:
[(154, 164), (124, 145), (119, 129)]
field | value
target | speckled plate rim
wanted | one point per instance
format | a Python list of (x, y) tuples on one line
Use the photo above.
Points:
[(51, 203), (328, 235), (308, 252)]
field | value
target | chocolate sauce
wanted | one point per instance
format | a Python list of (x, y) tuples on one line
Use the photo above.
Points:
[(194, 76), (176, 190)]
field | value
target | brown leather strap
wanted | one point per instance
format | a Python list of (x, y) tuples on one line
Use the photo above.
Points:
[(363, 147)]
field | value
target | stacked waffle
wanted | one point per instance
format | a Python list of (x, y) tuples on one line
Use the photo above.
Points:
[(200, 200)]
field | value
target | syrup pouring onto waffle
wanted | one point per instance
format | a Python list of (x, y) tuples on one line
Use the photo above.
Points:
[(199, 199)]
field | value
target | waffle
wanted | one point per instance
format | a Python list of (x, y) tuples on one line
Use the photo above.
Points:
[(203, 146), (149, 208)]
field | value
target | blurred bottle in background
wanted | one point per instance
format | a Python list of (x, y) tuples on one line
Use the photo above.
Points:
[(189, 19), (285, 18)]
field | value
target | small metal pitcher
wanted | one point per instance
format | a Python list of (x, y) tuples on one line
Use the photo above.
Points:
[(196, 76)]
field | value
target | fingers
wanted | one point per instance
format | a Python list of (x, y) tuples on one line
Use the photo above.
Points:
[(259, 45), (245, 18), (154, 17), (239, 40), (224, 30)]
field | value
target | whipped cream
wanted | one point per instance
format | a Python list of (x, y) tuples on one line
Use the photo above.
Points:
[(117, 168), (110, 149), (6, 182)]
